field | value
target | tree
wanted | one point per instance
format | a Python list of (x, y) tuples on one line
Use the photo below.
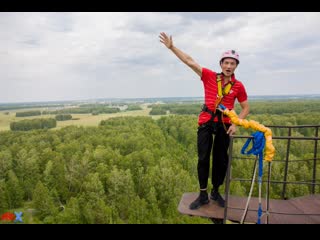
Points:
[(14, 191), (154, 213), (55, 177), (71, 214), (120, 191), (27, 170), (63, 117), (93, 206), (43, 202), (138, 211), (5, 162), (3, 198)]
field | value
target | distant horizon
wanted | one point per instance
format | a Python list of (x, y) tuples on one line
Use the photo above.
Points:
[(275, 96)]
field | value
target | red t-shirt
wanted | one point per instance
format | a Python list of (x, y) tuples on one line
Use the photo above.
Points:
[(209, 79)]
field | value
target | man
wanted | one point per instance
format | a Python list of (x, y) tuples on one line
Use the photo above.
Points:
[(218, 88)]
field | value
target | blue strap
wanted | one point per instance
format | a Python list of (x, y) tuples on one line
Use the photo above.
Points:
[(259, 214), (258, 144), (222, 107)]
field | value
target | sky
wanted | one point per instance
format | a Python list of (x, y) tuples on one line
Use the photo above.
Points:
[(56, 56)]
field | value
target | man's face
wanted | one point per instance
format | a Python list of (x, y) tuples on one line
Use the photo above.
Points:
[(228, 66)]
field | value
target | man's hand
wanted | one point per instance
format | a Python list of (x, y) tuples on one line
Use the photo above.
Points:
[(166, 40), (232, 129)]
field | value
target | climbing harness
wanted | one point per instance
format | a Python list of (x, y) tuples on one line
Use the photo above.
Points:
[(221, 93)]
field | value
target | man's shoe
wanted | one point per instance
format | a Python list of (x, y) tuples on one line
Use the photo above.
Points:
[(215, 196), (201, 200)]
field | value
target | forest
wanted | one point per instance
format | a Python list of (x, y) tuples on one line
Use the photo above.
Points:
[(135, 169)]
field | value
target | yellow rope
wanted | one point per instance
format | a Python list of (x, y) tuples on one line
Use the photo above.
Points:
[(269, 149)]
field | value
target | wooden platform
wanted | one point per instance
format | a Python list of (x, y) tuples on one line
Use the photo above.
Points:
[(291, 211)]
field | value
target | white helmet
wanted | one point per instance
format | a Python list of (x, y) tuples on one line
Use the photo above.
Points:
[(230, 54)]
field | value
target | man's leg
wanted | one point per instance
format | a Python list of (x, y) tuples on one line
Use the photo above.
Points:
[(219, 162), (204, 142)]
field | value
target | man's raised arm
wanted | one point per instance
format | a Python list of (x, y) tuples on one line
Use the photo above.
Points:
[(181, 55)]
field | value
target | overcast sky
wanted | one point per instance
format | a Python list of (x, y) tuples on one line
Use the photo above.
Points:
[(50, 56)]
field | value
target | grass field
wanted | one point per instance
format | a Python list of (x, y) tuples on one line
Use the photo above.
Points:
[(84, 119)]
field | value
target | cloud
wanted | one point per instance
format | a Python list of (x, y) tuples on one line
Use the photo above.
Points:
[(61, 56)]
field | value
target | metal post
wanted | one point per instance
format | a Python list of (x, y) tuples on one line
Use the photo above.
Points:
[(228, 180), (268, 191), (315, 161), (286, 167)]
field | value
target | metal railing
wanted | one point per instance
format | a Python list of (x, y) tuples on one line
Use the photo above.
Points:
[(313, 182)]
